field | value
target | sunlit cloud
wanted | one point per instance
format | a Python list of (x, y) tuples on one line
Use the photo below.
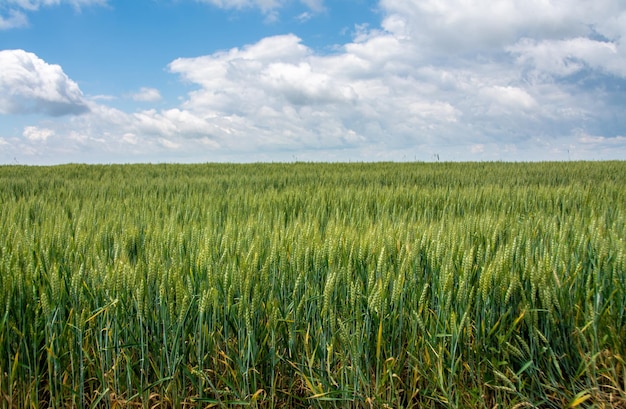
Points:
[(455, 80), (30, 85)]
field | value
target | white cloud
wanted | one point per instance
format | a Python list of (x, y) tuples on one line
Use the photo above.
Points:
[(269, 7), (462, 26), (36, 4), (30, 85), (241, 4), (510, 97), (14, 10), (36, 134), (601, 141), (279, 92), (14, 19), (171, 123), (461, 79), (565, 57), (102, 97), (168, 144), (304, 17), (130, 138), (147, 95)]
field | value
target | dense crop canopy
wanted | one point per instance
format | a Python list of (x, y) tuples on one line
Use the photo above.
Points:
[(299, 285)]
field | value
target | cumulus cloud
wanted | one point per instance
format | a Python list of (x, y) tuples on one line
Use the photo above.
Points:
[(466, 25), (459, 73), (30, 85), (280, 91), (461, 79), (568, 56)]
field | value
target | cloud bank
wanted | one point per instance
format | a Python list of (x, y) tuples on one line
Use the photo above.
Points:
[(462, 80)]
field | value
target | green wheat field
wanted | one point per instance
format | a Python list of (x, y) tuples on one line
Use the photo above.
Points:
[(301, 285)]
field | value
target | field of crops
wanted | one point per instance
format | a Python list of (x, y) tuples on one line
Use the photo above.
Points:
[(313, 285)]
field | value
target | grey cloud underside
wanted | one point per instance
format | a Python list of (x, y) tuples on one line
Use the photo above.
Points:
[(33, 106)]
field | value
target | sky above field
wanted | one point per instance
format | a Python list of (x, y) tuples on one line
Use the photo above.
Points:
[(110, 81)]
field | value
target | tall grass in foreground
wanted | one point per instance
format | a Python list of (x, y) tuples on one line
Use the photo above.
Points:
[(313, 285)]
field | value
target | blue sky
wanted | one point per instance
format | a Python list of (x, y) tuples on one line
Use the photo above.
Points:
[(103, 81)]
